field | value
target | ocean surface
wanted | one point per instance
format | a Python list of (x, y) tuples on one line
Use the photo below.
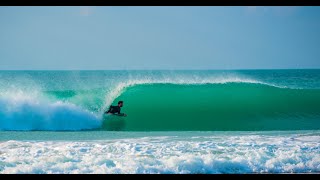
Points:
[(215, 121)]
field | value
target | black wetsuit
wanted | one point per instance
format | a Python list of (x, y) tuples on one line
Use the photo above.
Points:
[(114, 109)]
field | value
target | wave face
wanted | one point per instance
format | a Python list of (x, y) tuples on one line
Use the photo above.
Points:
[(207, 107), (160, 100)]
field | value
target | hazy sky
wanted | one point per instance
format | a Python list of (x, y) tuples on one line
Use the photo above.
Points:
[(159, 37)]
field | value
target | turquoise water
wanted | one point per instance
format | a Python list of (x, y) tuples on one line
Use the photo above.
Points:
[(218, 107), (245, 121)]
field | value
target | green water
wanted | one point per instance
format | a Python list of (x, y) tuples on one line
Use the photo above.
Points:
[(233, 106)]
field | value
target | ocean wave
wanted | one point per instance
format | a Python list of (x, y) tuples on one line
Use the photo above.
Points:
[(241, 103)]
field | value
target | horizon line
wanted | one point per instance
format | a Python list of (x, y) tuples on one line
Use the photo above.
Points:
[(157, 69)]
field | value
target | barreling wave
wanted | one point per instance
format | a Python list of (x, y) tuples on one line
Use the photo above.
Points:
[(167, 104)]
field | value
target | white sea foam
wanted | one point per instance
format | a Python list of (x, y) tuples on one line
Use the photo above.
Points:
[(30, 111), (170, 154)]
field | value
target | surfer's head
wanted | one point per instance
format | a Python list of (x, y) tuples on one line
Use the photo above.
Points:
[(120, 103)]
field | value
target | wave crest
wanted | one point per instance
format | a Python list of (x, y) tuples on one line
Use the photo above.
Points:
[(119, 88)]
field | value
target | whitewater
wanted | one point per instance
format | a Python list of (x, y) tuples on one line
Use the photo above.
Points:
[(184, 152), (244, 121)]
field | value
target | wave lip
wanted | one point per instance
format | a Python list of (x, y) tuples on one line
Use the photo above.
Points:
[(120, 88)]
